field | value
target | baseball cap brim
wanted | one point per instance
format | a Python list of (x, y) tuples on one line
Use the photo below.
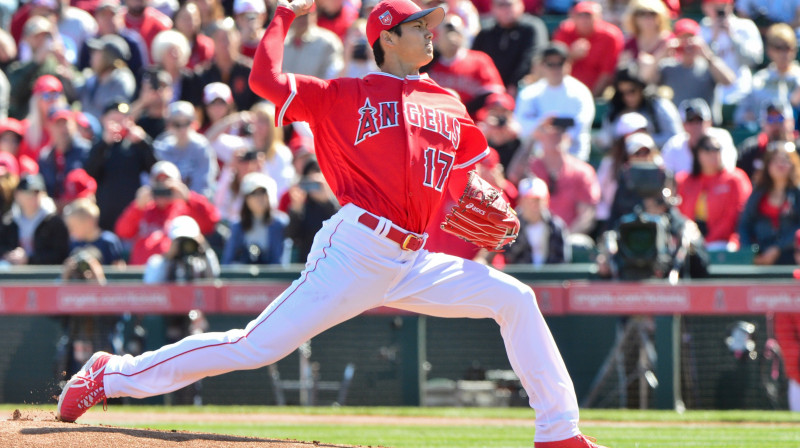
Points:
[(436, 16)]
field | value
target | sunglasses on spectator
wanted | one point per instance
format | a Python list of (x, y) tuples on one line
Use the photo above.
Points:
[(503, 4), (695, 119), (641, 152), (644, 13), (775, 119), (180, 124), (51, 96), (628, 92), (710, 148), (783, 48), (554, 64)]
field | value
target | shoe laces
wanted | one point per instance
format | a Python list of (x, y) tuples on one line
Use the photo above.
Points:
[(92, 384)]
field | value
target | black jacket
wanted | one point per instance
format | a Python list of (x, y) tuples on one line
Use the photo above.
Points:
[(50, 239), (557, 249)]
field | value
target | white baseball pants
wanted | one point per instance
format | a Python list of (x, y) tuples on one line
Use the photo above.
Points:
[(351, 269)]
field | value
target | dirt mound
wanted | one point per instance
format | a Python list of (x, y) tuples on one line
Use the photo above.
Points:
[(23, 429)]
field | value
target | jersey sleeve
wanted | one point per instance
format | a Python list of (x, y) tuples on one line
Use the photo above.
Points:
[(473, 145), (296, 97)]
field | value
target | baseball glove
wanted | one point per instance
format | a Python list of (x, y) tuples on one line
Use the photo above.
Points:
[(482, 216)]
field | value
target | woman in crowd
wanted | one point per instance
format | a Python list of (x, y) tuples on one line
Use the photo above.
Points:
[(712, 196), (648, 23), (269, 140), (188, 22), (257, 237), (228, 198), (170, 51), (48, 94), (772, 214), (222, 126), (632, 94)]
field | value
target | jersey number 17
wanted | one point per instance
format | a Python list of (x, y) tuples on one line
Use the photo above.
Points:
[(434, 158)]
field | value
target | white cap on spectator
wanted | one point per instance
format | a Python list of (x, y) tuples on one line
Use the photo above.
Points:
[(181, 109), (533, 187), (37, 25), (253, 181), (637, 141), (243, 6), (629, 123), (183, 227), (163, 170), (217, 90)]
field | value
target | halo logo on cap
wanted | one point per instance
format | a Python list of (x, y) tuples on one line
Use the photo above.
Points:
[(386, 18)]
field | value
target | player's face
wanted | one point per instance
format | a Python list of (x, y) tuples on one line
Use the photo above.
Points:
[(415, 46)]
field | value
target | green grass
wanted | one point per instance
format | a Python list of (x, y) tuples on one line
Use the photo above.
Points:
[(615, 428)]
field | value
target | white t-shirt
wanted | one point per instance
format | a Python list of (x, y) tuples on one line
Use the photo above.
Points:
[(678, 157)]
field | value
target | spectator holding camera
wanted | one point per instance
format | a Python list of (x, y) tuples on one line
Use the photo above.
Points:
[(560, 95), (268, 139), (737, 41), (165, 197), (777, 125), (311, 202), (358, 57), (32, 232), (66, 152), (228, 198), (187, 258), (117, 162), (543, 236), (257, 237), (187, 149), (712, 196), (81, 217), (771, 215), (496, 121), (149, 110)]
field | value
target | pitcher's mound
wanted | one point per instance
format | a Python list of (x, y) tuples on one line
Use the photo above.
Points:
[(34, 429)]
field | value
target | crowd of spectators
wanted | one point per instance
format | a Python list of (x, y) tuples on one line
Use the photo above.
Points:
[(131, 127)]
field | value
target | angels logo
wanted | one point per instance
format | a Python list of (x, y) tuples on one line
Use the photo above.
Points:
[(368, 124), (386, 18)]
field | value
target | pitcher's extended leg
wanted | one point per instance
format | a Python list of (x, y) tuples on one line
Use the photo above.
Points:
[(445, 286)]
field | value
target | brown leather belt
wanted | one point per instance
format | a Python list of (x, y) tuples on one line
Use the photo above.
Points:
[(406, 240)]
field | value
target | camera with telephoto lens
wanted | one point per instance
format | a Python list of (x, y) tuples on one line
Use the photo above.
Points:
[(360, 50), (187, 247)]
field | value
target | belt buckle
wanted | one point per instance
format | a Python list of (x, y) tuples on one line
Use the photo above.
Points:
[(411, 239)]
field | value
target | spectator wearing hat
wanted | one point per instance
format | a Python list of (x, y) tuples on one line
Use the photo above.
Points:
[(640, 148), (780, 80), (9, 178), (108, 15), (48, 95), (690, 68), (82, 219), (257, 236), (572, 183), (188, 22), (471, 74), (79, 185), (12, 131), (111, 78), (311, 50), (223, 126), (250, 17), (337, 16), (229, 66), (696, 117), (594, 45), (777, 125), (511, 38), (542, 236), (615, 160), (32, 232), (146, 20), (633, 94), (88, 127), (502, 131), (144, 221), (712, 196), (150, 108), (118, 161), (648, 25), (170, 52), (189, 150), (737, 41), (228, 196), (557, 94), (188, 256), (66, 151)]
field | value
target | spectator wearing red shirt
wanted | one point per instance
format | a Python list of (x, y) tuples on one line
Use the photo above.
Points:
[(336, 16), (572, 183), (48, 93), (188, 22), (250, 16), (164, 198), (11, 133), (145, 19), (712, 196), (472, 74), (595, 45)]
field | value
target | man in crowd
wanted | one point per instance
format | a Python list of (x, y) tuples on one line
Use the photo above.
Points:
[(777, 125), (696, 117)]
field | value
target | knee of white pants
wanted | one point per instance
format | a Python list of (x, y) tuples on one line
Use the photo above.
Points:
[(518, 300)]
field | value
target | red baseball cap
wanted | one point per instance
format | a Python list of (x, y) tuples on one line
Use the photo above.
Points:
[(47, 83), (686, 26), (78, 184), (389, 13), (501, 99), (12, 125), (8, 163), (587, 7)]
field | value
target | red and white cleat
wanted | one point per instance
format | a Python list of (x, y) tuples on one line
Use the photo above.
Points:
[(579, 441), (84, 389)]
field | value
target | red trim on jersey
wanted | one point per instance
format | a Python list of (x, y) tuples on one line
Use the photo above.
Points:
[(324, 255)]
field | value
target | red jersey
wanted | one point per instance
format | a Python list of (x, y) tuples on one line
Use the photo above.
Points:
[(470, 74), (384, 143), (606, 44), (340, 23), (151, 23)]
